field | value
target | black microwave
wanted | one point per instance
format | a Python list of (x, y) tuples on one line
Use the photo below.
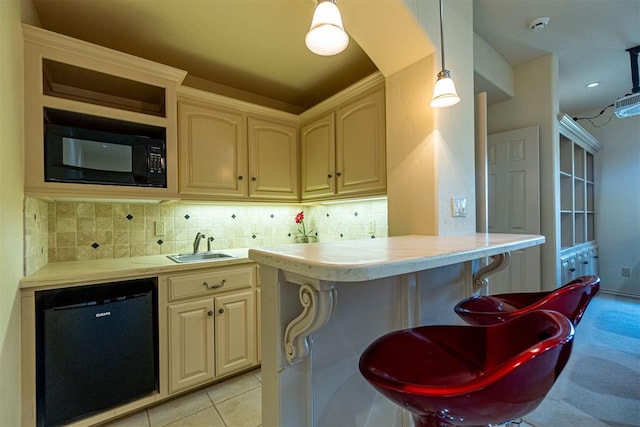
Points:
[(90, 150)]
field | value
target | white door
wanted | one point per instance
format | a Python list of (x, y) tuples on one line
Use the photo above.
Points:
[(514, 204)]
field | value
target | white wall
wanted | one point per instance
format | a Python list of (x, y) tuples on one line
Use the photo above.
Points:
[(430, 153), (536, 103), (411, 153), (617, 193), (11, 179)]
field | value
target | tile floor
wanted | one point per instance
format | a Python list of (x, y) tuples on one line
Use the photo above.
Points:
[(232, 403)]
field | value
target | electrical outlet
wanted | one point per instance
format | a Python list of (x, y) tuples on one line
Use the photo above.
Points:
[(160, 228), (626, 272)]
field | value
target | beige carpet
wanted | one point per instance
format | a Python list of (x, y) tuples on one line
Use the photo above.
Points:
[(600, 385)]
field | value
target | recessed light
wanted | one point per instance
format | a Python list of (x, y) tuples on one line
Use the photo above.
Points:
[(593, 84)]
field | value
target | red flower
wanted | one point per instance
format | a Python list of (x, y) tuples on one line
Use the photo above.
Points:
[(303, 234)]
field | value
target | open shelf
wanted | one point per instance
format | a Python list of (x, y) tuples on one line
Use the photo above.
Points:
[(566, 192), (566, 155), (93, 87), (566, 226), (576, 184)]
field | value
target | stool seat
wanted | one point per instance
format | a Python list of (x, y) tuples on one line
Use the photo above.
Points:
[(470, 375), (571, 300)]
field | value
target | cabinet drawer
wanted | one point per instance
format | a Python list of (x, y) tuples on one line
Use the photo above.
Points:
[(196, 284)]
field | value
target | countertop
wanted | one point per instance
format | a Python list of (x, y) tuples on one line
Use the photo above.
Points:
[(368, 259), (346, 261), (93, 271)]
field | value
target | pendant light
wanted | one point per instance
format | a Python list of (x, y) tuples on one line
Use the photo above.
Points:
[(444, 93), (326, 36)]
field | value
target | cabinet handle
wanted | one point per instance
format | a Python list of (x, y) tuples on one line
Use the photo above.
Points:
[(240, 178), (572, 270), (210, 313), (329, 176), (338, 174), (215, 286), (221, 310), (586, 262), (253, 178)]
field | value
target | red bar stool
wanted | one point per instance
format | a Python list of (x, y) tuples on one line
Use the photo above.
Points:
[(571, 300), (470, 375)]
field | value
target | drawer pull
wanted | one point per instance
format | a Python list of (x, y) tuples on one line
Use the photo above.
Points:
[(210, 313), (215, 286), (221, 311)]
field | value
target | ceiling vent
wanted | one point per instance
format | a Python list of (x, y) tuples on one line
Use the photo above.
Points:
[(629, 105)]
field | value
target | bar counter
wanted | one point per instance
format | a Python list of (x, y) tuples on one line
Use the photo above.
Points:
[(324, 303)]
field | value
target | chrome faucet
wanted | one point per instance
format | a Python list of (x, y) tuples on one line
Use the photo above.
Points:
[(196, 242)]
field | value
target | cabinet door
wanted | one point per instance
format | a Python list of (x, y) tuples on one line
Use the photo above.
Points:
[(568, 269), (235, 332), (213, 151), (273, 160), (259, 325), (582, 263), (360, 146), (318, 154), (191, 350)]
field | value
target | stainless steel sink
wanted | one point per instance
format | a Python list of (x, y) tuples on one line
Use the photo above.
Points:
[(199, 257)]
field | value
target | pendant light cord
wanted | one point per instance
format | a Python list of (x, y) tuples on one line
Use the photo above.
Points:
[(442, 35)]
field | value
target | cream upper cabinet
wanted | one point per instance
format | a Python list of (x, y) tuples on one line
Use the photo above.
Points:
[(232, 150), (343, 150), (73, 83), (273, 160), (318, 153), (213, 151), (360, 146)]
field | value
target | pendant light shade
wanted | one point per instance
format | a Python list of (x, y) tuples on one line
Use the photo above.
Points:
[(326, 36), (444, 92)]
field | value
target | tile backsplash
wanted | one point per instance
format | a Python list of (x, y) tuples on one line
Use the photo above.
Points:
[(72, 231)]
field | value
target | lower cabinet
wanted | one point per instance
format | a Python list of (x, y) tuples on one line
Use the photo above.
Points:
[(578, 261), (191, 344), (211, 325), (568, 268), (258, 325), (208, 329), (235, 335)]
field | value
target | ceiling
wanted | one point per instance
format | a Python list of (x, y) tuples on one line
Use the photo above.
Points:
[(254, 49), (589, 38)]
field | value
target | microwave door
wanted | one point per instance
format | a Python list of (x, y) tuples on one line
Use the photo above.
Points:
[(94, 161)]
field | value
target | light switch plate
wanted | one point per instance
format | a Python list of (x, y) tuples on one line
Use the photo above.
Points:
[(458, 207)]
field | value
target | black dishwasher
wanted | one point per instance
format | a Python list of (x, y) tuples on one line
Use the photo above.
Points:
[(96, 348)]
